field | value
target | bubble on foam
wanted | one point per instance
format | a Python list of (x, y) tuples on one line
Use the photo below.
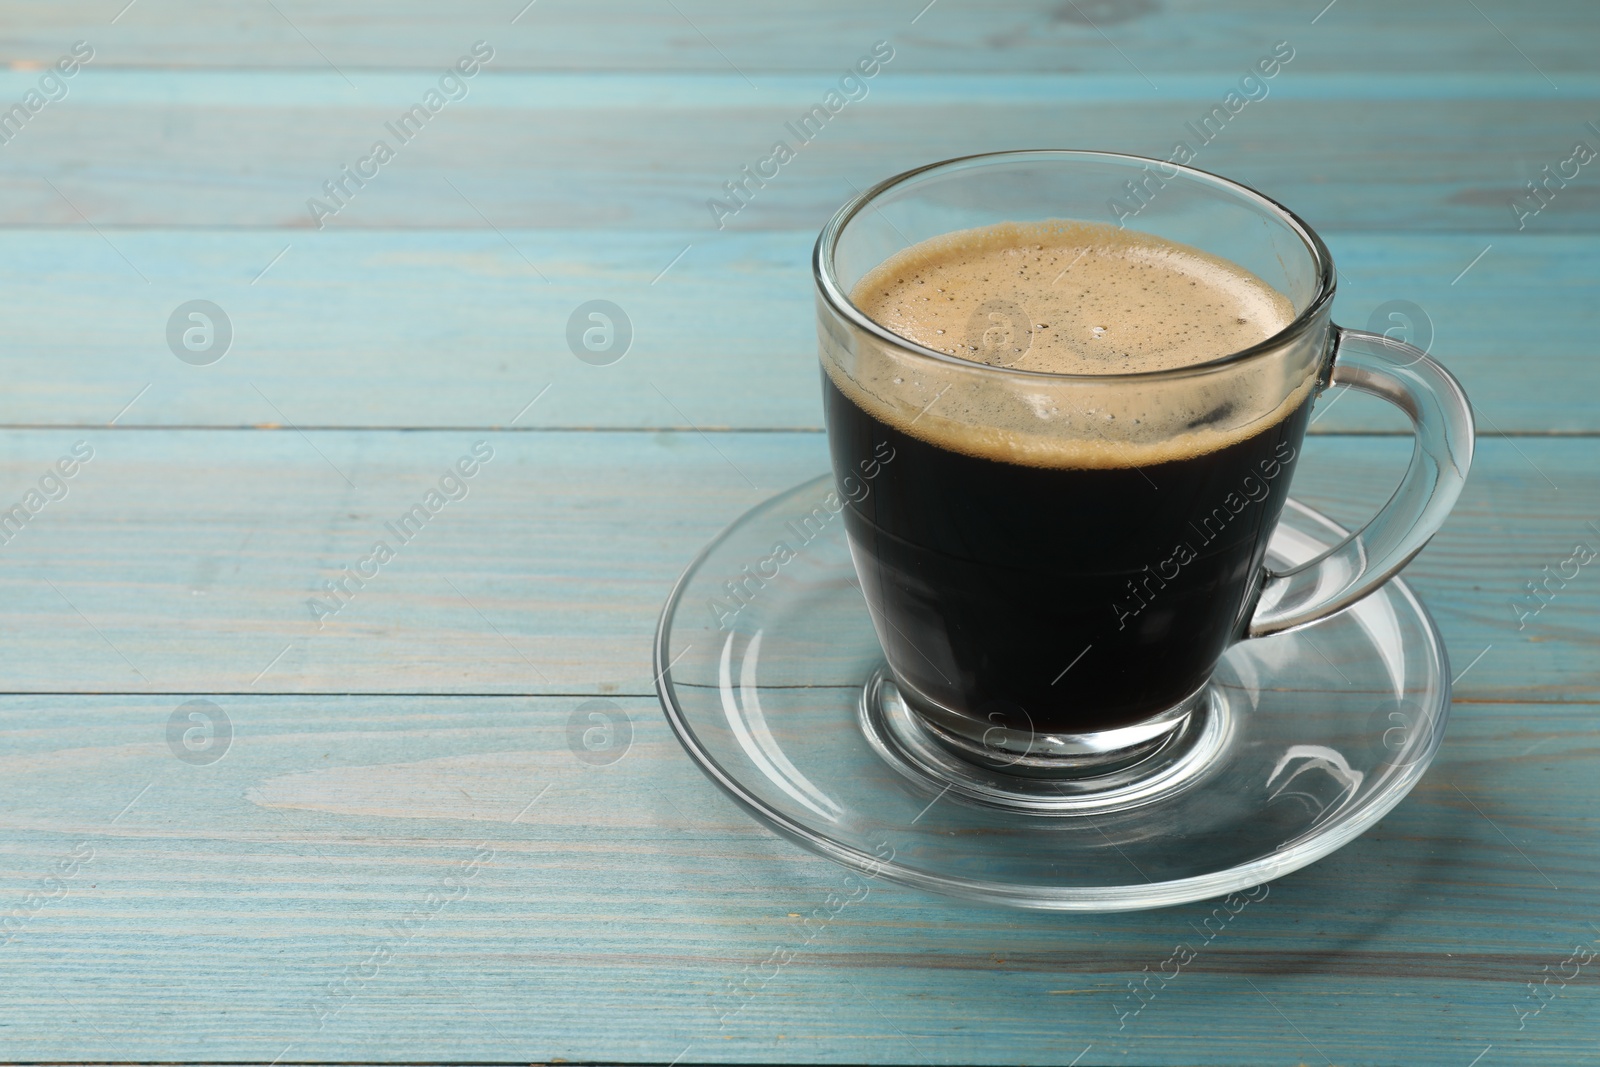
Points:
[(1072, 298)]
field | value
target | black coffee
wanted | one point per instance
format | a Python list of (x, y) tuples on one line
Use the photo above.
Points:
[(1072, 584)]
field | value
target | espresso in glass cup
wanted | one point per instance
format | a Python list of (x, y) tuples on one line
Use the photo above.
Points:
[(1082, 426)]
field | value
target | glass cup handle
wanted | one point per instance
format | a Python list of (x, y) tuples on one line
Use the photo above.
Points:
[(1440, 415)]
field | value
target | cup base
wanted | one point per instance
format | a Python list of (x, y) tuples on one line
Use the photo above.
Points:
[(1039, 754), (1112, 770)]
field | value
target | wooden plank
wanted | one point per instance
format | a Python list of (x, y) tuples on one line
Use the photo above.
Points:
[(225, 149), (184, 561), (1185, 35), (105, 85), (458, 329), (621, 916), (252, 524)]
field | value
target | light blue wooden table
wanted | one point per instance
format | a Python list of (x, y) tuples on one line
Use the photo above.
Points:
[(399, 856)]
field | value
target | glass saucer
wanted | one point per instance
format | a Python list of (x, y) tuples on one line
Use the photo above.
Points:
[(767, 668)]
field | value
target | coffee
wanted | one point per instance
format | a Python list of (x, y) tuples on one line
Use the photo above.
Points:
[(1018, 555)]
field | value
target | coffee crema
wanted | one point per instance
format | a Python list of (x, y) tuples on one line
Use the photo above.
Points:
[(1075, 298), (1100, 300)]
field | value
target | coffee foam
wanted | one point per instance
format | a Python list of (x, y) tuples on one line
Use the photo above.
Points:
[(1076, 298)]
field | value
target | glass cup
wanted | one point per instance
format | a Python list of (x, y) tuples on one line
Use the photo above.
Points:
[(1064, 622)]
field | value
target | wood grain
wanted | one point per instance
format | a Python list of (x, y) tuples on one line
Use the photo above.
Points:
[(459, 329), (717, 35), (216, 149), (184, 561), (615, 919)]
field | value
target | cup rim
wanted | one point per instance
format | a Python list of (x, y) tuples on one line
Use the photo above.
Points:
[(822, 267)]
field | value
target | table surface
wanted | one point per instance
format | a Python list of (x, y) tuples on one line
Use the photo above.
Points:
[(398, 856)]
